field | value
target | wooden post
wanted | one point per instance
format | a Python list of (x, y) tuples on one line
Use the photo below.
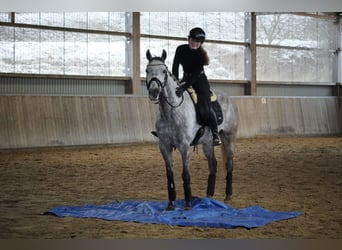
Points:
[(133, 53), (136, 84), (337, 90), (250, 54), (253, 89), (12, 17)]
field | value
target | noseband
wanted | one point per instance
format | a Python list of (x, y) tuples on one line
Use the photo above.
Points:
[(162, 85), (155, 79)]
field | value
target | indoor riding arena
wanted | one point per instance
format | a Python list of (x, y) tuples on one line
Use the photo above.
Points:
[(76, 121)]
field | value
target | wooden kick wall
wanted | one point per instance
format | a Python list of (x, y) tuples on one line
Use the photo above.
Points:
[(43, 121), (302, 116), (40, 121)]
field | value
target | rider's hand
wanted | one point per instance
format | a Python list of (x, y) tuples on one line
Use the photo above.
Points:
[(179, 91)]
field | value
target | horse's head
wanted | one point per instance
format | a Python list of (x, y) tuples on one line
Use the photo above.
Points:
[(156, 75)]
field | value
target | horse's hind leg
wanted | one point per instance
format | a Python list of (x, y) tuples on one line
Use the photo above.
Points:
[(166, 152), (209, 152), (228, 151)]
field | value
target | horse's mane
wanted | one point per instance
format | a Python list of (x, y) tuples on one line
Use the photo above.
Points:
[(174, 78)]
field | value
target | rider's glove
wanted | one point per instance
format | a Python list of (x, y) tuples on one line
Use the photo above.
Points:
[(179, 91)]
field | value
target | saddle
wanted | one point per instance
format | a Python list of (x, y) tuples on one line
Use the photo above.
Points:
[(214, 103)]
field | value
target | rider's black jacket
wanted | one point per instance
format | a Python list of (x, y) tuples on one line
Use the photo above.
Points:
[(192, 62)]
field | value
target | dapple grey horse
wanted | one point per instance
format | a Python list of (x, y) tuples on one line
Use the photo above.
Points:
[(177, 126)]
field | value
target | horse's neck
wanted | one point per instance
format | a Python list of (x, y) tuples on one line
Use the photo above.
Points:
[(173, 106), (170, 99), (170, 91)]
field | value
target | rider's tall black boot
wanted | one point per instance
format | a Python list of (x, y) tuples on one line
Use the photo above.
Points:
[(213, 127)]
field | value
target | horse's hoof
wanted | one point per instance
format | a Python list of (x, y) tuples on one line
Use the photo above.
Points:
[(209, 196), (188, 208), (227, 199), (170, 207)]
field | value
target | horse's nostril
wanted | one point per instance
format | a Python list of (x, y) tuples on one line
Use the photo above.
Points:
[(155, 92)]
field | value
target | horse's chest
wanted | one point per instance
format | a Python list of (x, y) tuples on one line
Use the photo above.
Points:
[(175, 128)]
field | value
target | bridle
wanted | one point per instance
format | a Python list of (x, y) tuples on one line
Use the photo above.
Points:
[(162, 85)]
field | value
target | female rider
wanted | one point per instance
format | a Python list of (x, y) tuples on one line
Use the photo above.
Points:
[(193, 57)]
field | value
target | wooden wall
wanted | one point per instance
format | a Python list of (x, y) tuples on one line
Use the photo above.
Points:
[(40, 121), (289, 116), (43, 121)]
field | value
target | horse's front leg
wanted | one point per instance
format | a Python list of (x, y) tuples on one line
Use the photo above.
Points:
[(166, 152), (185, 153)]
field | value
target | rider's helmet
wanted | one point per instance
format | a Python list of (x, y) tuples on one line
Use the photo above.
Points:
[(197, 34)]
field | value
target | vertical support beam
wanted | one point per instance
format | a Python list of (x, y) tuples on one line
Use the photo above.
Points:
[(133, 53), (339, 49), (250, 53), (253, 56), (12, 17), (128, 52), (247, 53), (136, 83), (337, 62)]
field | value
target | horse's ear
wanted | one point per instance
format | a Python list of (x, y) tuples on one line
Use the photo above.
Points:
[(148, 55), (163, 55)]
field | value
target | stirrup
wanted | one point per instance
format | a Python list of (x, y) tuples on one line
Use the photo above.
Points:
[(216, 139), (154, 133)]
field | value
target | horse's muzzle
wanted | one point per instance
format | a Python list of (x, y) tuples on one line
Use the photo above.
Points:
[(154, 93), (154, 100)]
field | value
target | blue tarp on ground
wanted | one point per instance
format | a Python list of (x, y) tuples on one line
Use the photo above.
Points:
[(205, 212)]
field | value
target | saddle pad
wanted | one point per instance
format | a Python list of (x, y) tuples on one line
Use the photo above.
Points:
[(205, 212), (193, 94), (214, 102)]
